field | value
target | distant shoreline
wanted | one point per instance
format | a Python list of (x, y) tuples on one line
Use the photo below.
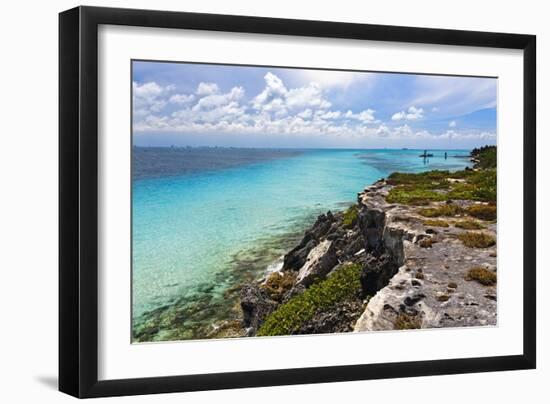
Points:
[(297, 148)]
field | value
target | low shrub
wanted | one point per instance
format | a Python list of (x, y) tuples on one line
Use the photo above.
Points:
[(443, 210), (462, 191), (410, 195), (428, 179), (290, 316), (486, 157), (469, 225), (483, 212), (278, 283), (485, 183), (477, 240), (350, 216), (481, 275)]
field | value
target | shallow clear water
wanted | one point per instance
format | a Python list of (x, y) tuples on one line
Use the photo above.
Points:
[(194, 223)]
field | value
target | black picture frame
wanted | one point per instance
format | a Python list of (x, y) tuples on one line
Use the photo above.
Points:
[(78, 200)]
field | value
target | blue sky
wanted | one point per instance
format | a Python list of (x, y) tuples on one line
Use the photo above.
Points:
[(217, 105)]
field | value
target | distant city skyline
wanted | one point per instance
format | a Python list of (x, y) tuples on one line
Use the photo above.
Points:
[(184, 104)]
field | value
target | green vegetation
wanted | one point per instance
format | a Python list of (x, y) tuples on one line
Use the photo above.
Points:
[(289, 317), (278, 283), (418, 189), (350, 216), (407, 322), (443, 298), (483, 212), (435, 223), (452, 285), (443, 210), (481, 275), (477, 240), (430, 179), (437, 185), (469, 224), (486, 157), (409, 195), (484, 185)]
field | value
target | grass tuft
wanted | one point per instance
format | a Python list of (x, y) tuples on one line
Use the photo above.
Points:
[(469, 225), (477, 240), (409, 195), (407, 322), (483, 212), (443, 210), (481, 275), (350, 216)]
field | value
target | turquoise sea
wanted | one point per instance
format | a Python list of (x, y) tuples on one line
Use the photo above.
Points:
[(204, 220)]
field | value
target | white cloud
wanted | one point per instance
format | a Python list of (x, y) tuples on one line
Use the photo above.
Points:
[(181, 98), (207, 89), (363, 116), (412, 114), (329, 114), (452, 124), (149, 97), (274, 89), (305, 114), (310, 96), (277, 109), (277, 100), (216, 100)]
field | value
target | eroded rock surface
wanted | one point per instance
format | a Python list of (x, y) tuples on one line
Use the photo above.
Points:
[(429, 289), (320, 260), (256, 305)]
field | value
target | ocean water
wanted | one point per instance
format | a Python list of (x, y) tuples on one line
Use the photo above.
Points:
[(206, 220)]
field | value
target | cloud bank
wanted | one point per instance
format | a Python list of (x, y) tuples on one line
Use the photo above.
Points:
[(314, 108)]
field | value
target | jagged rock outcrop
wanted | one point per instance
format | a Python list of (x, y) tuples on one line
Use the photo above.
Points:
[(296, 258), (320, 260), (256, 305)]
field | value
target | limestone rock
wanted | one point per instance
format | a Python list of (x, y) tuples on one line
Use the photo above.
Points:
[(430, 288), (319, 262)]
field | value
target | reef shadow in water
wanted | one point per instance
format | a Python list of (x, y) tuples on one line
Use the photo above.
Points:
[(158, 162)]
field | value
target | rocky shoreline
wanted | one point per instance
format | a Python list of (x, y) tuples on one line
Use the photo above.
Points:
[(415, 251)]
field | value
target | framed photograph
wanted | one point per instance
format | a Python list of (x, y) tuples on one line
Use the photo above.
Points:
[(251, 201)]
